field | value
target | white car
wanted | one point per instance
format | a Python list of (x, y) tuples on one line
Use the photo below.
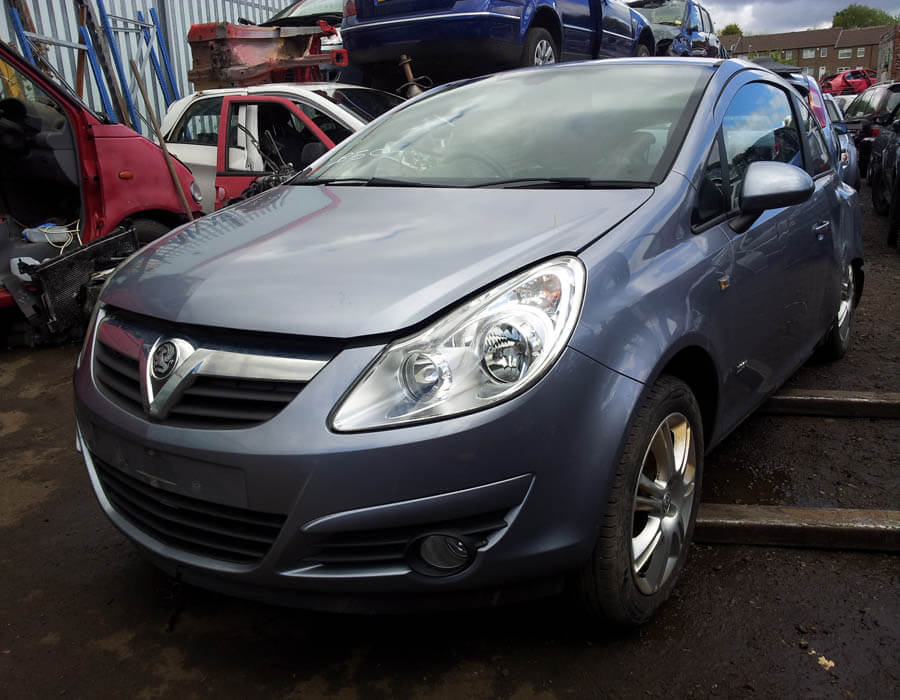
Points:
[(269, 128)]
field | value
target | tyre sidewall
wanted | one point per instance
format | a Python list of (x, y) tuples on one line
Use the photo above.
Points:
[(627, 604), (535, 35)]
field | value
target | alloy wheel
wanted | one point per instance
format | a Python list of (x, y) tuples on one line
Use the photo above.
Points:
[(544, 53), (663, 500), (845, 308)]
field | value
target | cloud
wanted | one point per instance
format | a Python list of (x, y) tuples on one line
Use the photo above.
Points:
[(770, 16)]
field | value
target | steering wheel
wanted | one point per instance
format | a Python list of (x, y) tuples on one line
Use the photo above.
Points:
[(496, 168)]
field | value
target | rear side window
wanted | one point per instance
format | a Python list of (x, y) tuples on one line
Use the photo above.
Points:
[(759, 126), (892, 101), (707, 22), (200, 124)]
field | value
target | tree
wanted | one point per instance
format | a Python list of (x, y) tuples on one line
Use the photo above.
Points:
[(856, 15), (731, 29)]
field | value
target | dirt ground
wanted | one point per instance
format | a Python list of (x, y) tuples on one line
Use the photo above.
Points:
[(81, 614)]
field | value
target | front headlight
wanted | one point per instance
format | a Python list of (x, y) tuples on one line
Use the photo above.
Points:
[(195, 192), (486, 351)]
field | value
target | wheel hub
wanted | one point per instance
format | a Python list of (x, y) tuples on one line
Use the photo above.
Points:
[(663, 502)]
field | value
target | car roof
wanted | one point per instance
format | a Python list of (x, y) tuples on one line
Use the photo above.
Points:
[(299, 88)]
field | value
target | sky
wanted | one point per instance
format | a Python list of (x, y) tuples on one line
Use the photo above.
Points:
[(771, 16)]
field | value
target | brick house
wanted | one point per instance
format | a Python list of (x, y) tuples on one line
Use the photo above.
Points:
[(821, 52)]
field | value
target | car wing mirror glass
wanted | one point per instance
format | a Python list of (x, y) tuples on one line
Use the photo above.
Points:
[(770, 185)]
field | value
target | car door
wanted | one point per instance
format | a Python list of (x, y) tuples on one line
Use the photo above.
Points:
[(618, 37), (194, 142), (697, 38), (712, 41), (260, 135), (765, 301)]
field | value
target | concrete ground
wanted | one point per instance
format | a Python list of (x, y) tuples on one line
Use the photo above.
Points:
[(82, 615)]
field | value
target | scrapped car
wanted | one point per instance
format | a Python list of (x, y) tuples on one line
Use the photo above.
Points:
[(859, 117), (452, 39), (477, 361), (847, 154), (849, 82), (68, 176), (883, 168), (679, 28), (275, 127)]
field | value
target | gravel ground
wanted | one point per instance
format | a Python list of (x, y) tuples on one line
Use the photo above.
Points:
[(81, 615)]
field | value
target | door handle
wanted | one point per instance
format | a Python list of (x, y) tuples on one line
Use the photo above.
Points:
[(820, 228)]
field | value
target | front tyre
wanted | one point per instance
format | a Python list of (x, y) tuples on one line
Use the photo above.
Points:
[(539, 49), (649, 519), (643, 51)]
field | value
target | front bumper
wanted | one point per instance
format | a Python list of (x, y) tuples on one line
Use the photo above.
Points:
[(542, 463)]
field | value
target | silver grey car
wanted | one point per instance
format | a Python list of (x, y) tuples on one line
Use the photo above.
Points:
[(478, 350)]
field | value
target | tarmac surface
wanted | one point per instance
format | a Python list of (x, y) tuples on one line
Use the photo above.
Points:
[(82, 615)]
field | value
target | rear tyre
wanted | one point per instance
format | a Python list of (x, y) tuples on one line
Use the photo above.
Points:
[(149, 229), (837, 341), (894, 216), (643, 51), (539, 49), (880, 202), (649, 519)]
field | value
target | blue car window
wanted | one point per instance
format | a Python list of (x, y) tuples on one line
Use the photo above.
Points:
[(759, 126), (819, 160)]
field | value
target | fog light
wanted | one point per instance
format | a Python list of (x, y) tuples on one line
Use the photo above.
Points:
[(446, 553)]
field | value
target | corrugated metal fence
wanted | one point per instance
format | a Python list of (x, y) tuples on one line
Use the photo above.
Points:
[(58, 19)]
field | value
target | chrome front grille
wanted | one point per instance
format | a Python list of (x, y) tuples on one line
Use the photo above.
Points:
[(118, 376), (224, 379), (190, 524)]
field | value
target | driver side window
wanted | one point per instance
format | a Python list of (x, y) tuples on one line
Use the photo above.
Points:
[(759, 126)]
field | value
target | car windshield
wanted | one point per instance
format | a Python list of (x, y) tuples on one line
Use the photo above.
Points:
[(306, 8), (589, 125), (364, 103), (661, 11)]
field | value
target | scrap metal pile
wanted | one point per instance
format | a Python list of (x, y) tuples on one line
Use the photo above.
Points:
[(236, 55)]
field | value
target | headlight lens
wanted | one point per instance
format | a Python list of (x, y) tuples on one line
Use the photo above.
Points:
[(195, 192), (486, 351)]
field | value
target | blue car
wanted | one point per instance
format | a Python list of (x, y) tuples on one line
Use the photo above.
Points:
[(450, 39), (467, 357)]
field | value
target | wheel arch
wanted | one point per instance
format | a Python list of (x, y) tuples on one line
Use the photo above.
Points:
[(547, 17), (163, 216), (646, 38), (693, 364)]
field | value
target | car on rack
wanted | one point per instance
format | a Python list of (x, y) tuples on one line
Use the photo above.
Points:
[(849, 82), (452, 39), (477, 362), (270, 128), (860, 118), (679, 28)]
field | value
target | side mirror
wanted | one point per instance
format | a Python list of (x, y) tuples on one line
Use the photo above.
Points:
[(311, 152), (896, 127), (840, 128), (770, 185), (693, 28), (883, 119)]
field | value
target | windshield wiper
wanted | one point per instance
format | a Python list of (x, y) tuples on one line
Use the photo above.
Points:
[(564, 183), (362, 182)]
